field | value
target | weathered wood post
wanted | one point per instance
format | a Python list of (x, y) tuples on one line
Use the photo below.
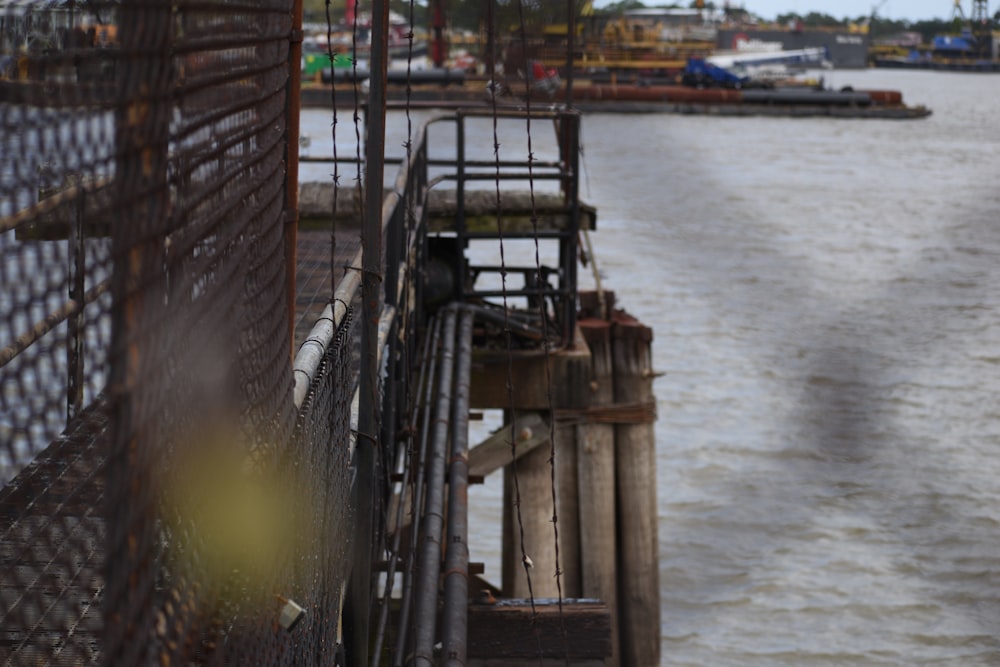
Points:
[(635, 445), (529, 492), (567, 492), (596, 479), (544, 383), (534, 488)]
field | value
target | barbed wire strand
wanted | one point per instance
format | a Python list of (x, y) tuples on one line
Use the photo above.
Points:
[(407, 450), (545, 335), (506, 328)]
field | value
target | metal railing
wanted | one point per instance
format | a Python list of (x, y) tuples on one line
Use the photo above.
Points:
[(174, 491)]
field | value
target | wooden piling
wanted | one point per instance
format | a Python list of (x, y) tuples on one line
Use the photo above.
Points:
[(529, 373), (596, 479), (534, 483), (532, 492), (605, 453), (639, 579), (568, 510)]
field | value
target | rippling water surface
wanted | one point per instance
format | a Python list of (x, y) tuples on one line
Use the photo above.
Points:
[(824, 295)]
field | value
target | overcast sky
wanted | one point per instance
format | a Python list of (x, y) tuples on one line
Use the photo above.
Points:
[(914, 10)]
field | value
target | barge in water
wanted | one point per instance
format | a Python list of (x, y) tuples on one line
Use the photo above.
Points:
[(637, 97)]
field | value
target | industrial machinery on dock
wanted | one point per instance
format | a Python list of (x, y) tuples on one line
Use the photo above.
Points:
[(975, 48)]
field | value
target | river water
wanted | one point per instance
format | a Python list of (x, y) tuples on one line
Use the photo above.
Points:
[(824, 299)]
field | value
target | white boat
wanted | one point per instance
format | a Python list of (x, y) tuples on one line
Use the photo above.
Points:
[(802, 58)]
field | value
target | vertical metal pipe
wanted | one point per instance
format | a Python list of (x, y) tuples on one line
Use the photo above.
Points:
[(371, 244), (433, 521), (573, 121), (491, 47), (570, 48), (76, 240), (456, 571), (292, 161), (460, 229), (371, 230), (142, 134)]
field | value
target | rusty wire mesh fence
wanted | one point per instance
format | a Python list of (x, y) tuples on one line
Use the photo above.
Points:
[(161, 498)]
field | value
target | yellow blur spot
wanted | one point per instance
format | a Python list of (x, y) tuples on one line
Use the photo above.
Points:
[(229, 518)]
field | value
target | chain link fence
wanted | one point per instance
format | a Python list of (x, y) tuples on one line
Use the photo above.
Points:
[(163, 500)]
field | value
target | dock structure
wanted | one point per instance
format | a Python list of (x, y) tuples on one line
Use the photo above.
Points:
[(234, 428)]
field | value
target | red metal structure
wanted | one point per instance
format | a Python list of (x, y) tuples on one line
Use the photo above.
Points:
[(439, 40)]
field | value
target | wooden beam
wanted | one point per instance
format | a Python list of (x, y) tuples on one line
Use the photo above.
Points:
[(509, 632), (531, 431), (526, 371)]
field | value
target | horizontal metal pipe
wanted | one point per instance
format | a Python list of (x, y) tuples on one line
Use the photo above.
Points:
[(513, 176), (345, 159), (62, 198), (509, 234), (518, 113), (520, 292), (486, 164), (310, 355), (517, 328), (69, 309)]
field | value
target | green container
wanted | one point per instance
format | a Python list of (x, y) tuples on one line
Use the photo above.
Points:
[(316, 62)]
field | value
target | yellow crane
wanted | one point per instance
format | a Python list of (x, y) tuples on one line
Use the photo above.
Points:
[(957, 12), (978, 24), (980, 12)]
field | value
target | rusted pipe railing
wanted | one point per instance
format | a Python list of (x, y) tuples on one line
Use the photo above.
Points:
[(71, 308), (309, 356)]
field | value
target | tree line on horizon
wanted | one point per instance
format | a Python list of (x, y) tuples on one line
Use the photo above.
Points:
[(471, 15)]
